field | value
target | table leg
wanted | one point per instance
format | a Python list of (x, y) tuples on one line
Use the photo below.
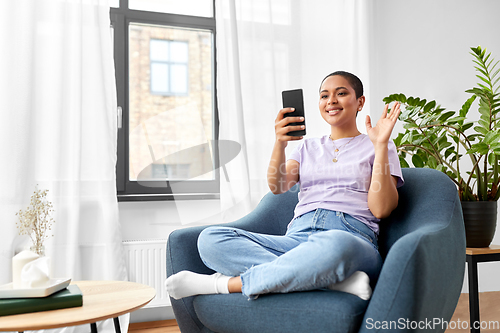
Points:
[(473, 295), (117, 325), (93, 328)]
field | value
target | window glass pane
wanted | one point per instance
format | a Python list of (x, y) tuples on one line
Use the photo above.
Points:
[(170, 104), (159, 50), (202, 8), (179, 52), (114, 3), (179, 79), (159, 78)]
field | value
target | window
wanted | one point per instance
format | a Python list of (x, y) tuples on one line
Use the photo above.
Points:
[(164, 54), (169, 67)]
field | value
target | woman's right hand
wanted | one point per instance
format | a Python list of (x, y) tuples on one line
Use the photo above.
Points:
[(282, 174), (281, 129)]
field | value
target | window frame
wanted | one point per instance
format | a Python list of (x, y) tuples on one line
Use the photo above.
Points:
[(128, 190)]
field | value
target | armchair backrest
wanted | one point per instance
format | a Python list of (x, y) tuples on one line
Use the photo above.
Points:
[(273, 213), (425, 202)]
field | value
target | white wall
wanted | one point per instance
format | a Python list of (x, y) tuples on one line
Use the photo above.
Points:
[(421, 48)]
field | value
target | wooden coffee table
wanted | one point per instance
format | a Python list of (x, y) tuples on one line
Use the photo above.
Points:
[(101, 300)]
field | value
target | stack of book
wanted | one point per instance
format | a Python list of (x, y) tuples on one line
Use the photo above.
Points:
[(66, 298)]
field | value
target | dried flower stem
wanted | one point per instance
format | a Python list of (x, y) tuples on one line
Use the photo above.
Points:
[(36, 220)]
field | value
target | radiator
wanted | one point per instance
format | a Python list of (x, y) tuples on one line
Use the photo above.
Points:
[(146, 264)]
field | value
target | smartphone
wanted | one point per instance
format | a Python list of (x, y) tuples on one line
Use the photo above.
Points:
[(294, 99)]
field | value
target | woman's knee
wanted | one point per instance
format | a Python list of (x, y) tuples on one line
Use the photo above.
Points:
[(339, 246), (334, 241), (211, 241)]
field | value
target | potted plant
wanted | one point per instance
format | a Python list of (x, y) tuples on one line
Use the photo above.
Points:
[(437, 138)]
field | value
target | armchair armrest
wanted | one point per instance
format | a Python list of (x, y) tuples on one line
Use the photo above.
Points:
[(271, 216), (423, 271)]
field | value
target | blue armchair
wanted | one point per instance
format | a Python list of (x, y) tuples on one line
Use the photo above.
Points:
[(423, 247)]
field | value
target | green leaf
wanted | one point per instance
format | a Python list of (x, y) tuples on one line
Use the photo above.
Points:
[(484, 124), (485, 81), (403, 163), (475, 91), (481, 130), (491, 159), (397, 140), (413, 101), (432, 162), (444, 145), (429, 106), (417, 161), (473, 137), (466, 106), (481, 70), (493, 69), (486, 89), (476, 50), (480, 148), (466, 126), (448, 152), (484, 107), (406, 138), (456, 119), (389, 99), (408, 126), (491, 137), (446, 116)]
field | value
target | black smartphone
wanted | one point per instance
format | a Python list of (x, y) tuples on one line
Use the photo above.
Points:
[(294, 99)]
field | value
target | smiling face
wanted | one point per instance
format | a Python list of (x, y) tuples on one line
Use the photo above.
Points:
[(338, 105)]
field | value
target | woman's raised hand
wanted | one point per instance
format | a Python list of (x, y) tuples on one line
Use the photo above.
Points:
[(381, 133), (281, 128)]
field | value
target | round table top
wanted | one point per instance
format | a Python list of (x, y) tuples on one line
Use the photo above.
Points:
[(101, 300)]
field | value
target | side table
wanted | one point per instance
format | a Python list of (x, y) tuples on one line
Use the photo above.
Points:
[(474, 256), (101, 300)]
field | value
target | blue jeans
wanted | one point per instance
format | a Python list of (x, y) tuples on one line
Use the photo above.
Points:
[(320, 248)]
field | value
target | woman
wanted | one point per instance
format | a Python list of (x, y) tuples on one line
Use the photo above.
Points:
[(348, 182)]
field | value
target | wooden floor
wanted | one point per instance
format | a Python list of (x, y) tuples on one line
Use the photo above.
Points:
[(489, 307), (163, 326), (489, 304)]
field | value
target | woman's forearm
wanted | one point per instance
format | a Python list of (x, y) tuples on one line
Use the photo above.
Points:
[(282, 175), (276, 172), (382, 195)]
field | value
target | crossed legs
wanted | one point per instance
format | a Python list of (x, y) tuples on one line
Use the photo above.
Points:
[(256, 264)]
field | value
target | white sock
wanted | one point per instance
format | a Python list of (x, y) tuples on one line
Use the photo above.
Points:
[(357, 284), (186, 283)]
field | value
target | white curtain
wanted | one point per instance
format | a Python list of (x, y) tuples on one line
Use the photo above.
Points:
[(58, 130), (265, 47)]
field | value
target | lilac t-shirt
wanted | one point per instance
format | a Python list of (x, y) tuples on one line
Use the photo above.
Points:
[(341, 186)]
